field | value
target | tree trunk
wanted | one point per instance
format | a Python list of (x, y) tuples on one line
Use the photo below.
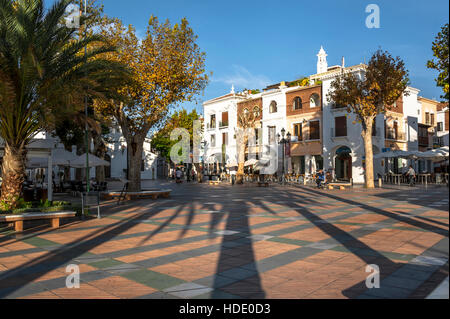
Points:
[(13, 176), (135, 147), (199, 172), (99, 151), (241, 136), (367, 136), (240, 173)]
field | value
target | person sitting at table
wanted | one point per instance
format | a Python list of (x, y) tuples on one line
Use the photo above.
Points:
[(320, 178), (411, 175)]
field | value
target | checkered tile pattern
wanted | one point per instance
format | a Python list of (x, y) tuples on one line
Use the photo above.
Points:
[(239, 242)]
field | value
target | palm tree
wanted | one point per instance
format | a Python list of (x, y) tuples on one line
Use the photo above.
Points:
[(44, 77)]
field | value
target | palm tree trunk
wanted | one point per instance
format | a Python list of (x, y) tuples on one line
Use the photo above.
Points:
[(13, 175)]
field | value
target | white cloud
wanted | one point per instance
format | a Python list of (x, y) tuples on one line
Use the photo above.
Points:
[(242, 78)]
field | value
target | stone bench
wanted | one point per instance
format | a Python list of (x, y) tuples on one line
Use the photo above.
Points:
[(19, 219), (154, 194), (341, 186)]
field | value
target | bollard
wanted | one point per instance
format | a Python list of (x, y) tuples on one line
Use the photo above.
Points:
[(379, 182)]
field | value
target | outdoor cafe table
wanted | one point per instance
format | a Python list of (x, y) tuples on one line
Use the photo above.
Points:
[(424, 177)]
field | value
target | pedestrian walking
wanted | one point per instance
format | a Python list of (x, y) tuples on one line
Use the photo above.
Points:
[(411, 176), (233, 175)]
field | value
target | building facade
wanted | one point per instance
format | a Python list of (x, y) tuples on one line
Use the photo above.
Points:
[(325, 135)]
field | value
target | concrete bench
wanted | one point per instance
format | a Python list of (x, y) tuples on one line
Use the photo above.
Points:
[(154, 194), (265, 184), (19, 219), (341, 186), (214, 182)]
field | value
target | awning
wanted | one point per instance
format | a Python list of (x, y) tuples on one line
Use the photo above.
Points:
[(94, 161)]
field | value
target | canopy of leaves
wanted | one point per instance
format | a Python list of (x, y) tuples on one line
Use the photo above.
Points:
[(168, 68), (180, 119), (440, 52), (374, 91), (44, 75)]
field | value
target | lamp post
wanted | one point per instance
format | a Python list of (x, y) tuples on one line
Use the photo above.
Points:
[(283, 141), (203, 157), (86, 108)]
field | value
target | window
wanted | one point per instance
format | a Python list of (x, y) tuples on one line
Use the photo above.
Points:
[(391, 132), (395, 129), (427, 118), (213, 140), (271, 130), (314, 130), (212, 121), (225, 138), (142, 165), (257, 136), (256, 111), (432, 119), (440, 126), (374, 127), (314, 100), (224, 122), (297, 103), (298, 130), (273, 107), (340, 123)]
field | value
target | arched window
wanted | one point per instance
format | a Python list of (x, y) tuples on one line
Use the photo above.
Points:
[(273, 107), (256, 111), (314, 100), (297, 103)]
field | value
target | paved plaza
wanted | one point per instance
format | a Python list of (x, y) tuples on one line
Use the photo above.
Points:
[(239, 241)]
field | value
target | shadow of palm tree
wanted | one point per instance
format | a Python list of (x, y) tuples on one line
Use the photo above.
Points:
[(39, 266), (362, 250)]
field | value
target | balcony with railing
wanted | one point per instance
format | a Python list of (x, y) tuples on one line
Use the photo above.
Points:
[(211, 126), (423, 141), (223, 124), (339, 132), (396, 136)]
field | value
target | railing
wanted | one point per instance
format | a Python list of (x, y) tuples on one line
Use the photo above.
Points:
[(223, 124), (211, 126), (335, 133), (395, 137), (423, 140)]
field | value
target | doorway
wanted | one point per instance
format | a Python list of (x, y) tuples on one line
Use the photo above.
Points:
[(343, 164)]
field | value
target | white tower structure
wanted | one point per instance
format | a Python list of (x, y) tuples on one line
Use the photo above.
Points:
[(322, 65)]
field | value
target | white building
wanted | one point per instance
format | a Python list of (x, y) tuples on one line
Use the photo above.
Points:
[(442, 128), (319, 128)]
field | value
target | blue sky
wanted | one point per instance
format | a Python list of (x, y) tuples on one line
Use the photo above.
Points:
[(255, 43)]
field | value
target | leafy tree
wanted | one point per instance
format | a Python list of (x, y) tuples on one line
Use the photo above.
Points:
[(383, 82), (168, 68), (180, 119), (44, 78), (440, 52), (246, 119)]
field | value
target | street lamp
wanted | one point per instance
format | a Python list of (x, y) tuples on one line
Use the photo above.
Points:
[(86, 108), (283, 141), (203, 157)]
